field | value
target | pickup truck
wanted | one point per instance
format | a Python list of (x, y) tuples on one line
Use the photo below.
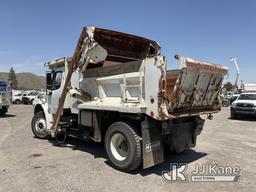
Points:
[(4, 97), (245, 105), (16, 98), (116, 89), (28, 97)]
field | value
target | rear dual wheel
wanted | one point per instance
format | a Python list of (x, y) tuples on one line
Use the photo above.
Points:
[(123, 146)]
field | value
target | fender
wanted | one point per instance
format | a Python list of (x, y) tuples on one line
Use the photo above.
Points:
[(41, 105)]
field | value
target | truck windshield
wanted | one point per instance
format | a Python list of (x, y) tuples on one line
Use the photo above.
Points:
[(3, 86), (33, 93), (247, 97)]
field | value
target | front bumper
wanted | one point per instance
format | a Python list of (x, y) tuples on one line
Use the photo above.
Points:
[(244, 111)]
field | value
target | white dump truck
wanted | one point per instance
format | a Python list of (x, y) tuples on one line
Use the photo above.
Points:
[(5, 97), (116, 89)]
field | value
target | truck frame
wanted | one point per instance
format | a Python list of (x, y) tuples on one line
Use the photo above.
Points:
[(116, 89)]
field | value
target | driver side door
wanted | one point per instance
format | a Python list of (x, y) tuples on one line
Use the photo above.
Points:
[(56, 90)]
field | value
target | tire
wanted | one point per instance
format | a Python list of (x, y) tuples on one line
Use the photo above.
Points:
[(225, 103), (17, 101), (123, 146), (233, 116), (39, 126), (3, 111)]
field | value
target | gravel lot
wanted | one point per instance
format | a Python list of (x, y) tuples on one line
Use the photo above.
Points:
[(29, 164)]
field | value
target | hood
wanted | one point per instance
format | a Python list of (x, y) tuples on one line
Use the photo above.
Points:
[(245, 101)]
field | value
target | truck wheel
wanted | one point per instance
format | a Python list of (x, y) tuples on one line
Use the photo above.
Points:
[(123, 146), (17, 101), (233, 116), (3, 111), (39, 126)]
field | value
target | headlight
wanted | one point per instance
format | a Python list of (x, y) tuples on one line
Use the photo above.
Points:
[(233, 105)]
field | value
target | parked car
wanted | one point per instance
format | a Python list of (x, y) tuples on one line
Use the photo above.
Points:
[(28, 98), (17, 98), (245, 104)]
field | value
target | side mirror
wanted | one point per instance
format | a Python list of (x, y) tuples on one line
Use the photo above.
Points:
[(48, 80)]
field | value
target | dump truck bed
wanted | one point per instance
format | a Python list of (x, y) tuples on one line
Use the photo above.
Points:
[(194, 88), (126, 73)]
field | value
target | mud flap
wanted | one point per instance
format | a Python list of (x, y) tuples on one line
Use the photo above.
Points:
[(182, 137), (153, 152)]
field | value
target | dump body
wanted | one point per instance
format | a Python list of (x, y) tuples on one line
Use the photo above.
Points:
[(127, 73), (194, 88), (116, 89)]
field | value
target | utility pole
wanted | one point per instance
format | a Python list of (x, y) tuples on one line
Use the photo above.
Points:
[(234, 61)]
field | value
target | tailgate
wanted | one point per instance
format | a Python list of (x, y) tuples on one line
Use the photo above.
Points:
[(195, 87)]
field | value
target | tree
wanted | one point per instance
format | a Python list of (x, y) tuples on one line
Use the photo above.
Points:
[(229, 86), (12, 79)]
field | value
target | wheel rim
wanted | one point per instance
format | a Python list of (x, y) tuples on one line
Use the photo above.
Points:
[(119, 146), (40, 126)]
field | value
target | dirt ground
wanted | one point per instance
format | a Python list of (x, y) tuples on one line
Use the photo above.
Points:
[(30, 164)]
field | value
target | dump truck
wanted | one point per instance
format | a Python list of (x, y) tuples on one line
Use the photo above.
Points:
[(116, 89), (5, 97)]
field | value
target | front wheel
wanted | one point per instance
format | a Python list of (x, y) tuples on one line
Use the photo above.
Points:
[(39, 126), (17, 101), (233, 116), (123, 146)]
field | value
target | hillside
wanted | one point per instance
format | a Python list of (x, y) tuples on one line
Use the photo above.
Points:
[(26, 80)]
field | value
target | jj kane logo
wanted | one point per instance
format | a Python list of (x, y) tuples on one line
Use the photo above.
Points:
[(203, 173)]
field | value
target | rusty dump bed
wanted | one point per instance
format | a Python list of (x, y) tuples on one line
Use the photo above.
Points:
[(194, 88), (125, 45), (120, 47)]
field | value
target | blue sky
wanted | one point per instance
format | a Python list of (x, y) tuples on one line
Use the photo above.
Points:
[(33, 32)]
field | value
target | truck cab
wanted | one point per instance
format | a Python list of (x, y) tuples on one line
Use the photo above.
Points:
[(116, 89), (5, 97)]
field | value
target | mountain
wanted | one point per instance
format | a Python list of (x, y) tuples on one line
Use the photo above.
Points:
[(26, 80)]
